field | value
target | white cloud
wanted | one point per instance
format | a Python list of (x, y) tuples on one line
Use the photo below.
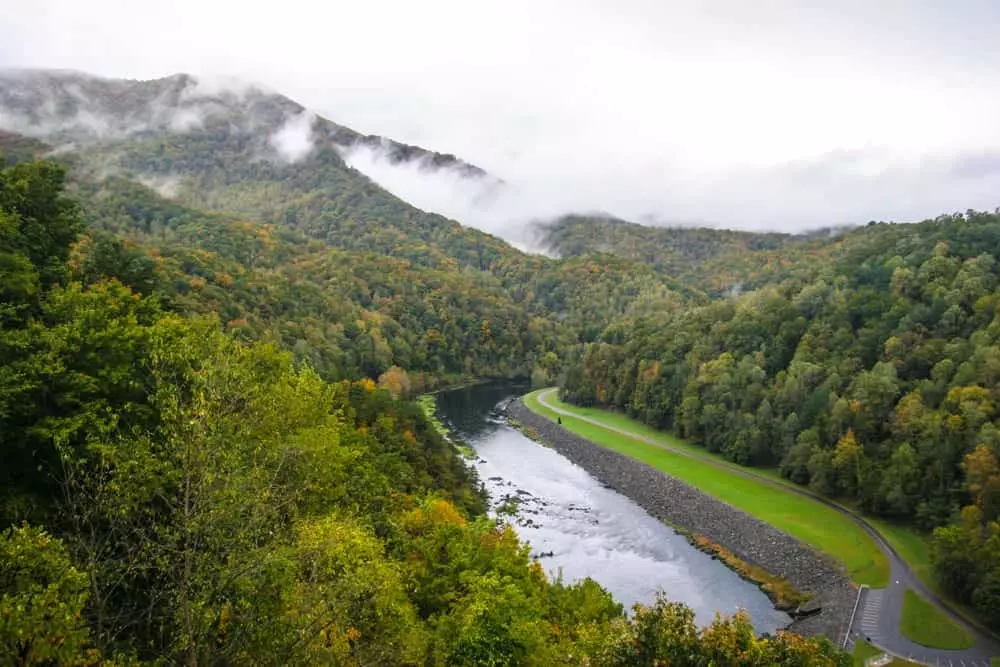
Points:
[(165, 186), (294, 140), (776, 113)]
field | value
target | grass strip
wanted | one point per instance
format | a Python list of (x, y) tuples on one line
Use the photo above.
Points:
[(799, 516), (926, 625), (863, 652), (428, 404)]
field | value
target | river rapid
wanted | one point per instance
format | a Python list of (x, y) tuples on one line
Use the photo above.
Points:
[(578, 527)]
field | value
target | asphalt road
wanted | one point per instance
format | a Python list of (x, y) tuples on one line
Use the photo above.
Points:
[(879, 610)]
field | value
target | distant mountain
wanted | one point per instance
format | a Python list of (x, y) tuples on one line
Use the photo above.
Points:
[(237, 201), (671, 248), (65, 106), (716, 261), (223, 145)]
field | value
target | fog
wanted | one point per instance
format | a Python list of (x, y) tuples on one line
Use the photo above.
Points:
[(294, 140), (769, 115)]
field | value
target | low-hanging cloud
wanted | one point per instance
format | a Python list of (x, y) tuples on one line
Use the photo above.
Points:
[(294, 140), (506, 209), (730, 113), (73, 106), (165, 186), (836, 188)]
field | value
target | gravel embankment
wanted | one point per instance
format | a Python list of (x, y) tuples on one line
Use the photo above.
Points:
[(678, 504)]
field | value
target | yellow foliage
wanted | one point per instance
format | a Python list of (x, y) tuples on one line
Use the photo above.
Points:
[(433, 513), (441, 511)]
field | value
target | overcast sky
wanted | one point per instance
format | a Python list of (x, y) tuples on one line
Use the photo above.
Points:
[(737, 113)]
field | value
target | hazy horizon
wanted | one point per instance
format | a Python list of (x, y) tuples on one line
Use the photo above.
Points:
[(772, 117)]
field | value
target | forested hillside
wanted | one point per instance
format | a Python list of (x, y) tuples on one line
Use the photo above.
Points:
[(188, 192), (74, 107), (871, 373), (210, 325), (205, 347), (716, 261), (173, 494)]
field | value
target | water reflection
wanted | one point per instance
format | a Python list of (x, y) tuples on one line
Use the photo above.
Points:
[(576, 526)]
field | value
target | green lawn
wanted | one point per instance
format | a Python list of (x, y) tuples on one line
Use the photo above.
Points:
[(913, 547), (923, 623), (864, 650), (802, 517)]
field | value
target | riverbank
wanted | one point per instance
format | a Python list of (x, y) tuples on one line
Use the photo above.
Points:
[(806, 518), (769, 499), (748, 538)]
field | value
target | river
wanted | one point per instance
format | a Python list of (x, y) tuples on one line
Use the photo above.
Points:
[(577, 526)]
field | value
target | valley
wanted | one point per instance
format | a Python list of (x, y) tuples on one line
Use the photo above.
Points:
[(213, 329), (578, 528)]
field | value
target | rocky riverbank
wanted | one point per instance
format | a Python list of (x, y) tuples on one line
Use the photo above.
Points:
[(749, 539)]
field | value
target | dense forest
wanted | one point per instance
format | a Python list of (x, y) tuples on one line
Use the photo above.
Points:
[(207, 352), (868, 368), (206, 356), (176, 492), (715, 262)]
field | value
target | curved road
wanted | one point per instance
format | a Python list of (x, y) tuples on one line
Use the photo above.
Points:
[(879, 609)]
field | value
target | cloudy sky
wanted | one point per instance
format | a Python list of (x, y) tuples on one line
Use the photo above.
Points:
[(764, 114)]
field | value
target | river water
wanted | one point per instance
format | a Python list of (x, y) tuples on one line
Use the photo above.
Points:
[(577, 526)]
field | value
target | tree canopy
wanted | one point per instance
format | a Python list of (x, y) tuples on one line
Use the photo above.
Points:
[(181, 488)]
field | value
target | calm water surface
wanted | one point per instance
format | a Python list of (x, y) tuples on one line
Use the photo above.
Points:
[(576, 525)]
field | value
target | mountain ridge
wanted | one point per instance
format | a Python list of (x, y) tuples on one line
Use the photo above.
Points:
[(68, 105)]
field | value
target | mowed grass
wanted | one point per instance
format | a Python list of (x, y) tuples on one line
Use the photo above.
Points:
[(915, 549), (912, 547), (924, 624), (804, 518), (863, 651)]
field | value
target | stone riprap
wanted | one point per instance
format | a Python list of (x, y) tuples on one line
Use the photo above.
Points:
[(689, 509)]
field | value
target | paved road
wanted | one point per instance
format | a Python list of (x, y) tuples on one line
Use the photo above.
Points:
[(879, 609)]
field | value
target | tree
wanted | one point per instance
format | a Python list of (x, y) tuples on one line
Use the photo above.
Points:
[(396, 381), (955, 554), (348, 604), (847, 459), (41, 601), (982, 478), (110, 257), (900, 485), (665, 633), (38, 224)]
